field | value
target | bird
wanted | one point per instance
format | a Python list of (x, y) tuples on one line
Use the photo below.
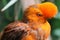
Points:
[(38, 14), (34, 25)]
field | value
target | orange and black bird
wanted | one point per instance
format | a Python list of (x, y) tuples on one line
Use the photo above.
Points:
[(34, 25)]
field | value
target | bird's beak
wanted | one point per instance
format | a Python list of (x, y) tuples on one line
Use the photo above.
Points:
[(8, 5)]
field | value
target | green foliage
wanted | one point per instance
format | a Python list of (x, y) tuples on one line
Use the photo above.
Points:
[(8, 15), (57, 2)]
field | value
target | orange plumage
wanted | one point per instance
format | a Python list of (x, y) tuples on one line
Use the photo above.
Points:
[(35, 17), (48, 9)]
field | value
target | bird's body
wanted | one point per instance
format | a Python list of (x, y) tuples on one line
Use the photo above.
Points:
[(34, 25), (42, 30)]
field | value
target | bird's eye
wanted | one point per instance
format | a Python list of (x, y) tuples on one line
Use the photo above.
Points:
[(38, 14)]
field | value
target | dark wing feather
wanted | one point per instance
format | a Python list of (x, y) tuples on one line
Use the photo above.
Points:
[(14, 31)]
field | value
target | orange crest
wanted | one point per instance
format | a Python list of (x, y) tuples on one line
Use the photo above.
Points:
[(48, 9)]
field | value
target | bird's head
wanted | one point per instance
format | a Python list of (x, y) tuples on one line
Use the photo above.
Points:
[(41, 12), (33, 14)]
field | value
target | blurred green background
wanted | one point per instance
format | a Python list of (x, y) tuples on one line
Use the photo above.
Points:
[(8, 15)]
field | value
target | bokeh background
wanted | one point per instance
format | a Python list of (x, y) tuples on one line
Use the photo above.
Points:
[(8, 16)]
